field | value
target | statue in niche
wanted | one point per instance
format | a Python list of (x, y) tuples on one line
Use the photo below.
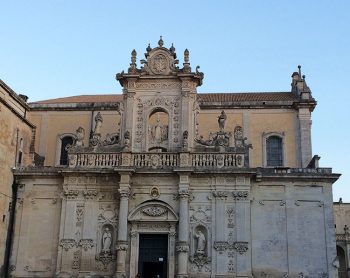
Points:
[(201, 241), (158, 133), (106, 240), (221, 120)]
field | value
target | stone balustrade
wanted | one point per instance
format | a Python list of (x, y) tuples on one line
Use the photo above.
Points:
[(343, 237), (94, 160), (157, 160)]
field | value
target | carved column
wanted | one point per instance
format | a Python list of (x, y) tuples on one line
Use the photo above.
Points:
[(182, 247), (122, 243), (220, 244)]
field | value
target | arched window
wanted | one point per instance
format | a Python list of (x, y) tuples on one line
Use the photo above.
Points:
[(65, 141), (274, 151), (20, 152)]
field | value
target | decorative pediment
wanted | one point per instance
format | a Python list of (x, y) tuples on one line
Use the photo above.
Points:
[(159, 61), (153, 211)]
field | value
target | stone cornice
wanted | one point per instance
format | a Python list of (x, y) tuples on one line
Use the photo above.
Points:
[(297, 174)]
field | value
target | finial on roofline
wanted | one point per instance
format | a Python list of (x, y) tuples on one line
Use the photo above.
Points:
[(149, 48), (160, 42), (172, 49)]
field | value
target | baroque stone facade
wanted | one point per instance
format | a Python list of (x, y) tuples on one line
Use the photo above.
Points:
[(162, 180)]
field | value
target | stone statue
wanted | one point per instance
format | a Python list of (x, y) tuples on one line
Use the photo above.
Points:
[(201, 241), (106, 240), (158, 132), (98, 123), (222, 119), (80, 132)]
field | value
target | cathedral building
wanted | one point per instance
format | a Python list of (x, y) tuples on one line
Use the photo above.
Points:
[(162, 181)]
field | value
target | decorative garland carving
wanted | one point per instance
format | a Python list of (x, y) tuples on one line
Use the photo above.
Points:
[(70, 194), (86, 243), (240, 195), (90, 194), (220, 246), (154, 211), (222, 195), (67, 244), (241, 247)]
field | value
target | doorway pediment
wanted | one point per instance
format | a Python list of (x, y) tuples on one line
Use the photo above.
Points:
[(153, 211)]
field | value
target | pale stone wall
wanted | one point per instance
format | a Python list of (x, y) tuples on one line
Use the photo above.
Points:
[(271, 227), (53, 124), (342, 216), (255, 123), (14, 129)]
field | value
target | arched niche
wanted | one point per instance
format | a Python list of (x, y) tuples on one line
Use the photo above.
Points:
[(152, 217), (158, 129)]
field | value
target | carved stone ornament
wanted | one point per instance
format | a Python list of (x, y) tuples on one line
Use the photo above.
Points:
[(76, 260), (70, 193), (182, 247), (220, 194), (154, 192), (159, 64), (241, 247), (220, 246), (154, 211), (184, 193), (67, 244), (122, 247), (200, 260), (105, 258), (240, 195), (231, 266), (90, 194), (86, 243), (124, 193), (80, 212)]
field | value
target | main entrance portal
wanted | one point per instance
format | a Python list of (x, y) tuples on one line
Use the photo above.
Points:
[(153, 255)]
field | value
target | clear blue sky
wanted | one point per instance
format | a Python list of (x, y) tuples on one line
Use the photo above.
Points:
[(53, 49)]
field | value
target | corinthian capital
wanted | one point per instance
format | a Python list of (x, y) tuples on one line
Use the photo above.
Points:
[(184, 193), (124, 192)]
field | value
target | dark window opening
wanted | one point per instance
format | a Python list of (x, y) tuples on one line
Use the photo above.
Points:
[(274, 152), (64, 152)]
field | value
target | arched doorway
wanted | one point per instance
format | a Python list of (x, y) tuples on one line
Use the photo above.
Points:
[(342, 271), (153, 230)]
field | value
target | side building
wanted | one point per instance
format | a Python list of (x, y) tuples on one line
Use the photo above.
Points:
[(162, 180), (16, 150), (342, 224)]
